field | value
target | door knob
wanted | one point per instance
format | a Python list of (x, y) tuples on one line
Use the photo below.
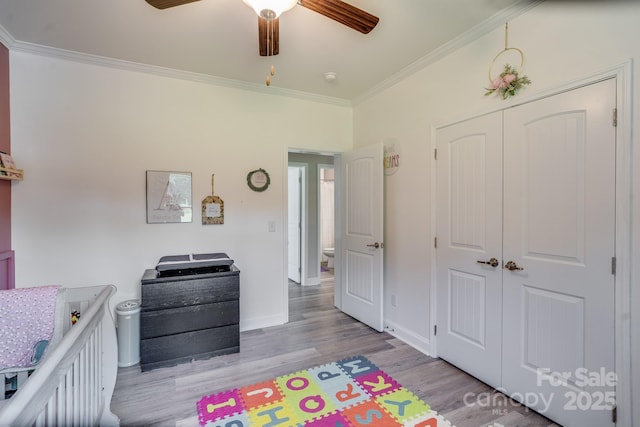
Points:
[(512, 266), (375, 245), (492, 262)]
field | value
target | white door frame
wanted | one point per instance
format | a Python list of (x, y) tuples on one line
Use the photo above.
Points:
[(294, 230), (303, 219), (337, 284), (623, 73), (337, 231)]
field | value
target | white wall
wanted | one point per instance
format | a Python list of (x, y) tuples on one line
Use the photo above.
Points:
[(86, 134), (562, 42)]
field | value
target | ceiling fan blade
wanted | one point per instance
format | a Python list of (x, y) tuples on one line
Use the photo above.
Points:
[(344, 13), (165, 4), (269, 36)]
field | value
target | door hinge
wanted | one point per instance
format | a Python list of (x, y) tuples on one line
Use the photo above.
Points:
[(435, 242), (435, 330), (613, 265), (614, 414), (435, 154), (615, 117)]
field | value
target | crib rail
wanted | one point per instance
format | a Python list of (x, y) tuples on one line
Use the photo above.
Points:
[(74, 383)]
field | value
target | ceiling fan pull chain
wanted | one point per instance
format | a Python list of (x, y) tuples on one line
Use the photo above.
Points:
[(506, 35), (271, 33)]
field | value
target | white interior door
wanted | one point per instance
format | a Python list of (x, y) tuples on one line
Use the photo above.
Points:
[(361, 236), (294, 218), (469, 246), (559, 219)]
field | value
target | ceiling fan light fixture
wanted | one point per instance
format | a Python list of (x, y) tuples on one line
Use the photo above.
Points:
[(270, 9)]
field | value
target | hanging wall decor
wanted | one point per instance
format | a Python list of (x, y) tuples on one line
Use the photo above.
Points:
[(258, 180), (391, 156), (168, 197), (510, 80), (212, 208)]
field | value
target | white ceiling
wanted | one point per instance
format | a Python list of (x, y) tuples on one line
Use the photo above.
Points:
[(220, 37)]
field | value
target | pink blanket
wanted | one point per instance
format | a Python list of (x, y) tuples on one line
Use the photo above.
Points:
[(27, 316)]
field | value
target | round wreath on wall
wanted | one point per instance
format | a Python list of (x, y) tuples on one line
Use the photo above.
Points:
[(509, 82), (258, 180)]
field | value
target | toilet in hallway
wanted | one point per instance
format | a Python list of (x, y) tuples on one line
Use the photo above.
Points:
[(328, 252)]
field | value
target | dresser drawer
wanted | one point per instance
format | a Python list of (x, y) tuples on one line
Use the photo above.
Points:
[(171, 350), (184, 319), (161, 295)]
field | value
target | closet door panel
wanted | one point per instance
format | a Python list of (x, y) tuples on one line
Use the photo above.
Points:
[(469, 229), (559, 217)]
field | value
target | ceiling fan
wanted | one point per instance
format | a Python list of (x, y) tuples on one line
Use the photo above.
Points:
[(269, 12)]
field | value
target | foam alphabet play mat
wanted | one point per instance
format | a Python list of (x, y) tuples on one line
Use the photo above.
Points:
[(347, 393)]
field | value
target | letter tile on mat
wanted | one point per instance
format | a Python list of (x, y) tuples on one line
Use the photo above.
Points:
[(377, 383), (260, 394), (351, 392), (403, 405), (356, 366), (331, 420), (338, 386), (219, 406), (369, 414), (275, 414), (430, 420), (305, 395)]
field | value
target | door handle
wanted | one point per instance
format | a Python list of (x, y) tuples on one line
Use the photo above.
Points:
[(512, 266), (492, 262), (375, 245)]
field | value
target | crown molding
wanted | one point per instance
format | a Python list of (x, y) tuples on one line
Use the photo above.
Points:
[(6, 38), (462, 40), (68, 55)]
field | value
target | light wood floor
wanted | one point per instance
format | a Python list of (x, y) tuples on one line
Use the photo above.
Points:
[(317, 334)]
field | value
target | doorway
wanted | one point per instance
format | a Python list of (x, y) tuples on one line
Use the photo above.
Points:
[(309, 242), (326, 203), (358, 229)]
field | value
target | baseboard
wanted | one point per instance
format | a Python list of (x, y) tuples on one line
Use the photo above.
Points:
[(262, 322), (311, 281), (408, 337)]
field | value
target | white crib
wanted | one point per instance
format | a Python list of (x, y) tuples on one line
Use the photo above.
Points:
[(73, 383)]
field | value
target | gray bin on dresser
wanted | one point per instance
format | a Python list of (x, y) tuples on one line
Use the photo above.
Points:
[(189, 317)]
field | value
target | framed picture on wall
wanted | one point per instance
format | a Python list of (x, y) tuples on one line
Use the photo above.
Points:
[(169, 197)]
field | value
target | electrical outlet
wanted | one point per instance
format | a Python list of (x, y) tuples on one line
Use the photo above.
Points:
[(272, 226)]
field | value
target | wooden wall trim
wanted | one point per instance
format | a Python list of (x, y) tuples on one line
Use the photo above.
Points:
[(7, 270), (5, 145)]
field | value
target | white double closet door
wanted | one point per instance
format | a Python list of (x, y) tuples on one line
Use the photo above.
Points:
[(532, 186)]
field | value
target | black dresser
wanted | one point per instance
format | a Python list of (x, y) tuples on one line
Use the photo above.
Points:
[(190, 317)]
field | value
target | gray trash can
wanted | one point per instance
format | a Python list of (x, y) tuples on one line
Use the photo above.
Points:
[(128, 315)]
